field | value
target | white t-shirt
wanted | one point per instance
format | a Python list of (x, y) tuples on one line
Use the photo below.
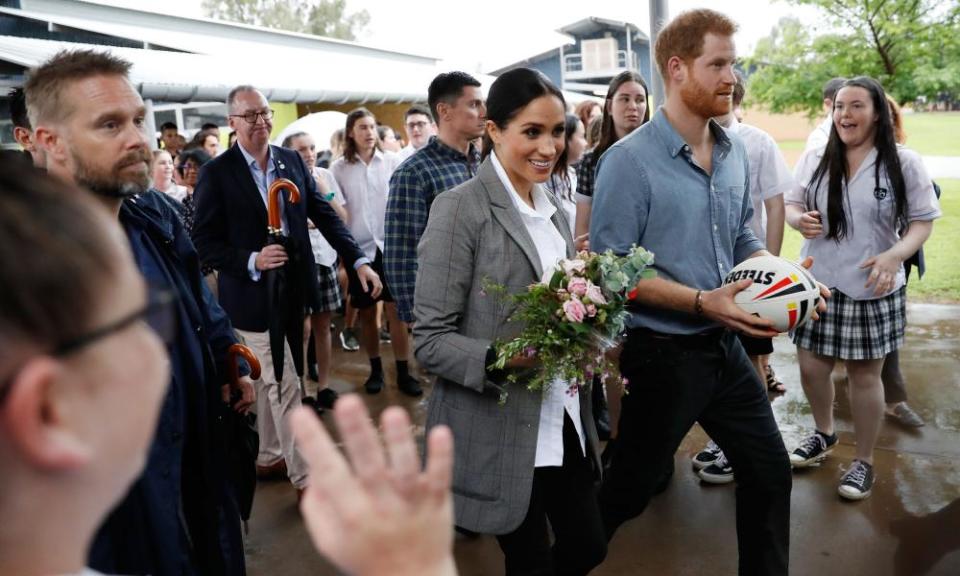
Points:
[(769, 174), (406, 152), (365, 188), (323, 252), (870, 209), (551, 247), (176, 191)]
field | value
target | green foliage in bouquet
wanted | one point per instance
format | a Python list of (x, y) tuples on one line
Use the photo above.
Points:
[(570, 321)]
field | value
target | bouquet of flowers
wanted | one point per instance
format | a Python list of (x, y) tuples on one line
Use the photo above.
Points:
[(572, 320)]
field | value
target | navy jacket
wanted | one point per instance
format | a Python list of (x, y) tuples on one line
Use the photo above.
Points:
[(231, 223), (180, 517)]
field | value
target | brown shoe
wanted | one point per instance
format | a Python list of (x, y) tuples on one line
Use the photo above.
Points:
[(275, 471)]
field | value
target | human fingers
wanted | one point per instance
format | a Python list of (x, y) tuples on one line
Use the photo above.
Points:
[(739, 286), (401, 450), (807, 262), (329, 472), (360, 441), (439, 469), (872, 278)]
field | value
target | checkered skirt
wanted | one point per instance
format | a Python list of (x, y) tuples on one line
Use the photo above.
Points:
[(328, 289), (856, 329)]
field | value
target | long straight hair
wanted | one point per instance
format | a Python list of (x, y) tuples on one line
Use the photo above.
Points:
[(349, 145), (834, 165), (608, 132)]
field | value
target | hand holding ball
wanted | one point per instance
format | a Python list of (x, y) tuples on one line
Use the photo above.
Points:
[(782, 291)]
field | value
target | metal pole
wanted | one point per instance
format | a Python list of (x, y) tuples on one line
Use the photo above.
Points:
[(658, 18), (150, 123)]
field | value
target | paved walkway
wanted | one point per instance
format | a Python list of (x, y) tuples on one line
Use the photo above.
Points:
[(942, 167), (910, 526)]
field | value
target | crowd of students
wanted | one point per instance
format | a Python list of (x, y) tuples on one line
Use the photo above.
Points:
[(123, 451)]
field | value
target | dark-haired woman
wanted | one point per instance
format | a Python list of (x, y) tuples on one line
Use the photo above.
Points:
[(624, 110), (851, 199), (563, 181), (534, 458)]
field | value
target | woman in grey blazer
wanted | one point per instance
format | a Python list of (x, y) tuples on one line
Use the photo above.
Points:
[(534, 458)]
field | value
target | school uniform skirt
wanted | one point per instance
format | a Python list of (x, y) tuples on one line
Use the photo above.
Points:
[(856, 329)]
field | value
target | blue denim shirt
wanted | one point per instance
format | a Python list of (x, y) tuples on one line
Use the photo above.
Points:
[(651, 192)]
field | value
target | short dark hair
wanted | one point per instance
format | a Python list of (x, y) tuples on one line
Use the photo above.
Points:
[(18, 108), (833, 86), (382, 131), (417, 109), (168, 126), (198, 155), (48, 81), (209, 126), (739, 89), (447, 87)]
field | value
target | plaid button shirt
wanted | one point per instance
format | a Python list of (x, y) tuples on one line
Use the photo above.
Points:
[(586, 176), (431, 170)]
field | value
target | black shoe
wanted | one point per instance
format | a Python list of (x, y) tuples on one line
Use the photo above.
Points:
[(311, 402), (374, 384), (720, 472), (707, 456), (327, 397), (313, 373), (857, 483), (410, 386), (385, 336), (813, 450)]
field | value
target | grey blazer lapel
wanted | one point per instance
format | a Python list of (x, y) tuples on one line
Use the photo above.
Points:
[(502, 208)]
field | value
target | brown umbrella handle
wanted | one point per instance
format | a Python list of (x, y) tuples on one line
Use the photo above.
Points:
[(248, 355), (273, 202)]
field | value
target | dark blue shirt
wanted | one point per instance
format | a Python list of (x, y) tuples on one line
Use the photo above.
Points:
[(651, 192)]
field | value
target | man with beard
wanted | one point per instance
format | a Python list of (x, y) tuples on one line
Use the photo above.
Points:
[(180, 517), (679, 186)]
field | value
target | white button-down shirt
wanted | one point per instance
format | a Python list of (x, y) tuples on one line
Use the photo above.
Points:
[(365, 188), (871, 227), (263, 180), (559, 397), (769, 174)]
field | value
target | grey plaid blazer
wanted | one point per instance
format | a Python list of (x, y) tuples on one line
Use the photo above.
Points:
[(475, 235)]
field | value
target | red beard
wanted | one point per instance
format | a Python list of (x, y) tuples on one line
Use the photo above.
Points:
[(702, 102)]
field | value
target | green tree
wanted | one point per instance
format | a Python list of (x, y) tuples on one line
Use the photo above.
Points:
[(320, 17), (911, 46)]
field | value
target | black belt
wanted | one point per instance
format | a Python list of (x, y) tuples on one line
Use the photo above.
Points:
[(695, 340)]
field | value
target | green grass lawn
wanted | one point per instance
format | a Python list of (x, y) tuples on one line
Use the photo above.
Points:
[(933, 133), (941, 283)]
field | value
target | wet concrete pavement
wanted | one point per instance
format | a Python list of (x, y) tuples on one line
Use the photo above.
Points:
[(910, 526)]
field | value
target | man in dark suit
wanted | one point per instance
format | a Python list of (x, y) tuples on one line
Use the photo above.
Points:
[(230, 232)]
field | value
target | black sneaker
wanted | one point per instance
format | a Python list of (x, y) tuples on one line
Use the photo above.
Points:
[(857, 483), (707, 456), (313, 373), (813, 450), (720, 472), (374, 384), (311, 402), (327, 397), (385, 336), (410, 386)]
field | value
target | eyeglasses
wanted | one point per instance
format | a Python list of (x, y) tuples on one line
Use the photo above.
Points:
[(416, 125), (160, 314), (253, 116), (185, 167)]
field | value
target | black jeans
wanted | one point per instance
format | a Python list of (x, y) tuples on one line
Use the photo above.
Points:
[(567, 497), (675, 381)]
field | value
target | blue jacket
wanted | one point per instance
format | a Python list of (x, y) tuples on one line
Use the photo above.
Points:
[(180, 517)]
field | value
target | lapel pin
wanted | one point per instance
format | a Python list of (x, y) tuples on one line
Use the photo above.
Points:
[(282, 167)]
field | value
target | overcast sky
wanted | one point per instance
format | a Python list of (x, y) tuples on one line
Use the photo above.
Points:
[(482, 36)]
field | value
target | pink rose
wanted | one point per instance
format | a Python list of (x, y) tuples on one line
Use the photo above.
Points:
[(591, 310), (571, 267), (577, 286), (574, 310), (595, 295)]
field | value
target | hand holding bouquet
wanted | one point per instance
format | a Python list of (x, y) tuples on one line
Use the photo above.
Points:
[(572, 320)]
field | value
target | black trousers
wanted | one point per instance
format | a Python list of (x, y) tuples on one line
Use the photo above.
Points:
[(675, 381), (567, 497)]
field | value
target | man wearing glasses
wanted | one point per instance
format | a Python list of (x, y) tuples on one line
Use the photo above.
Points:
[(180, 517), (419, 125), (230, 231)]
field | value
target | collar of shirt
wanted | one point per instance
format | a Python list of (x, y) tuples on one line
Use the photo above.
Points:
[(252, 162), (441, 147), (543, 208), (676, 144)]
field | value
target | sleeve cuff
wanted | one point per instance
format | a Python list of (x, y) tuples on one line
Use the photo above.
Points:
[(360, 262), (252, 267)]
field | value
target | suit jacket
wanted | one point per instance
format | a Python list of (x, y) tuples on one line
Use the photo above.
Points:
[(231, 223), (475, 235)]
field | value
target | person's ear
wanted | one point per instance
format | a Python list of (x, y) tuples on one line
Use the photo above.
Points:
[(23, 137), (443, 110), (494, 131), (32, 418), (53, 143), (677, 69)]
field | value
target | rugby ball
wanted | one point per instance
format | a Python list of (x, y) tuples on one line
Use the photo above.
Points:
[(781, 291)]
